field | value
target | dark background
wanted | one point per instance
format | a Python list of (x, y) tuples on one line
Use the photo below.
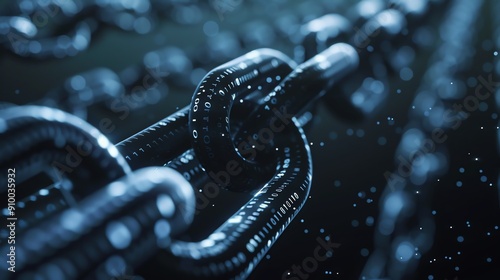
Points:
[(344, 164)]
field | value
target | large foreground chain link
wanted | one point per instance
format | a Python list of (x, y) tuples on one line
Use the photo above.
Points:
[(240, 133)]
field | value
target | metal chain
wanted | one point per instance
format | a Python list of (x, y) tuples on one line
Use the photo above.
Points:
[(242, 127), (25, 30), (401, 238)]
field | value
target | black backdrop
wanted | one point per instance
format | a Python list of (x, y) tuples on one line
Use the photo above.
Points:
[(349, 158)]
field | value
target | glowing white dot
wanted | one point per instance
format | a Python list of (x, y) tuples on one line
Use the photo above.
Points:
[(404, 252), (102, 141), (165, 205), (116, 189), (118, 235), (72, 220), (43, 192)]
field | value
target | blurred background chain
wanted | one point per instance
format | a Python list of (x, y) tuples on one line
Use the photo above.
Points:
[(404, 149)]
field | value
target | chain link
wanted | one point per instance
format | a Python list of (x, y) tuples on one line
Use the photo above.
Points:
[(402, 239), (27, 31), (242, 132)]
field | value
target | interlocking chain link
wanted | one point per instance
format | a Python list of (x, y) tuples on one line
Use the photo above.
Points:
[(241, 132)]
